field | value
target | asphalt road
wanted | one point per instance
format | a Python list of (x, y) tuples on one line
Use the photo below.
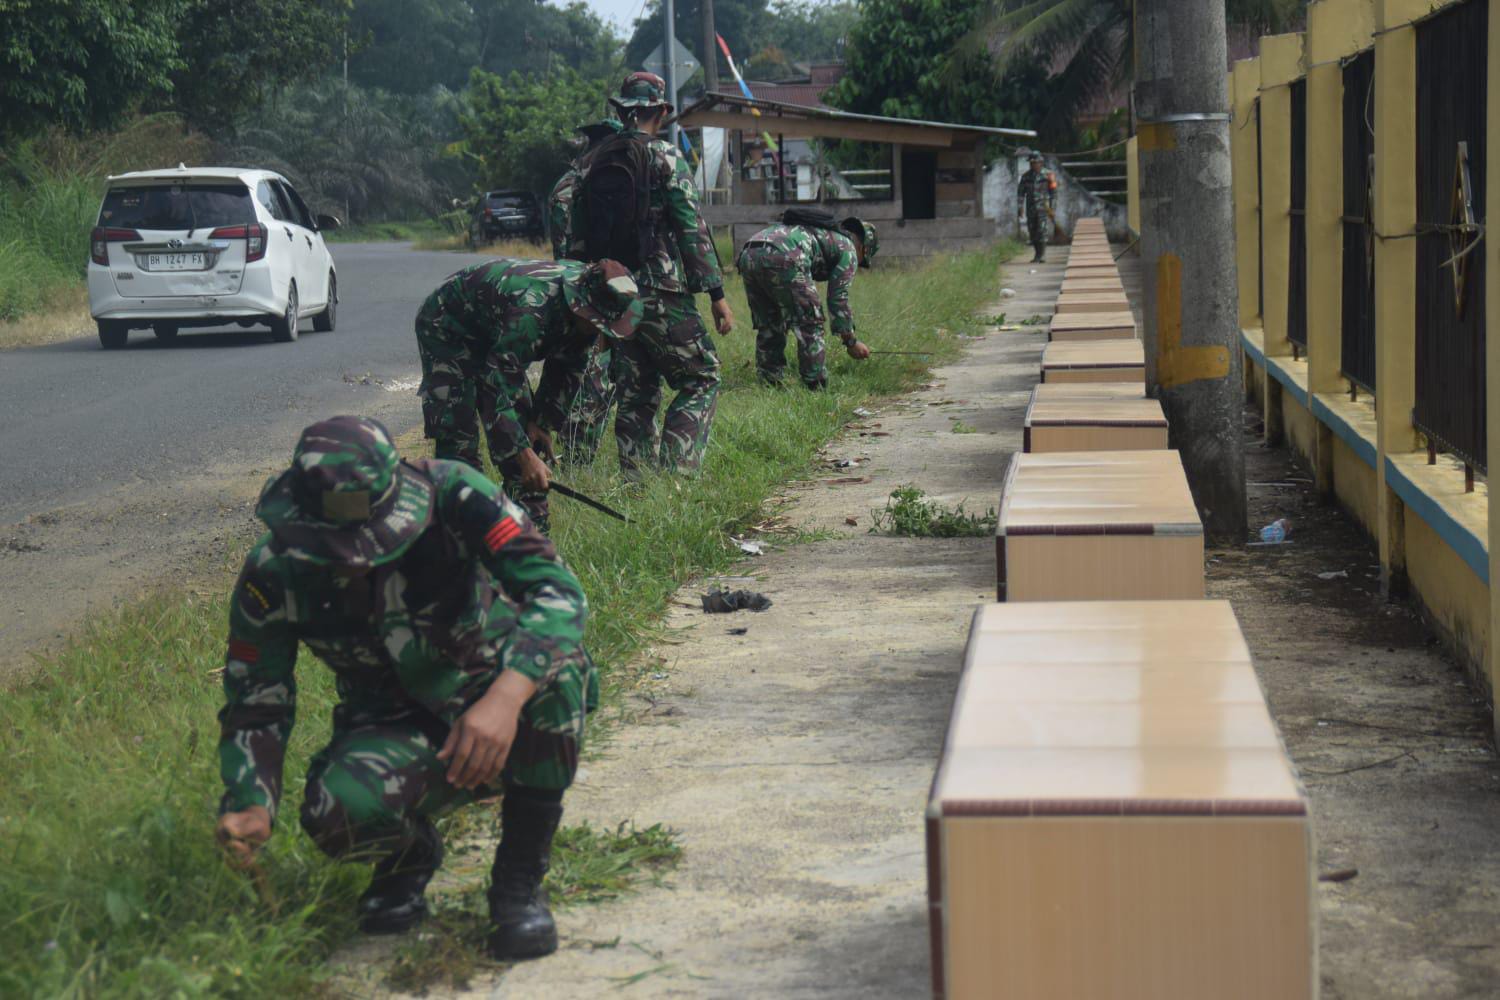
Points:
[(77, 422)]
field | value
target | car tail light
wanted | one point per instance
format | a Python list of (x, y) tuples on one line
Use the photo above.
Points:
[(100, 239), (253, 234), (489, 213)]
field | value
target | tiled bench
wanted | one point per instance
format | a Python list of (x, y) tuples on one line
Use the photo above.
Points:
[(1114, 815), (1089, 326), (1098, 526), (1114, 360), (1092, 301)]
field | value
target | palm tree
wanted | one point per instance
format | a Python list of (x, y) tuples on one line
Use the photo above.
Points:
[(1089, 43)]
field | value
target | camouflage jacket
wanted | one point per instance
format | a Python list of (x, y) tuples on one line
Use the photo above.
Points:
[(684, 258), (479, 591), (821, 255), (560, 201), (508, 314), (1036, 191)]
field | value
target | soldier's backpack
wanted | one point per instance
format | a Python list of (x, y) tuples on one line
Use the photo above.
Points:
[(613, 201), (804, 215)]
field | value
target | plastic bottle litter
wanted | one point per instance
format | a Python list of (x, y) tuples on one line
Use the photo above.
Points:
[(1275, 533)]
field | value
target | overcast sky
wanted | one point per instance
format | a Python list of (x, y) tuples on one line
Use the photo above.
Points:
[(620, 13)]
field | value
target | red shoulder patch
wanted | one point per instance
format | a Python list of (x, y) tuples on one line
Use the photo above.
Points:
[(243, 651), (501, 533)]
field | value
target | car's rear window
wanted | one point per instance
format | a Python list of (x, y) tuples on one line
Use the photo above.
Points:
[(509, 201), (180, 206)]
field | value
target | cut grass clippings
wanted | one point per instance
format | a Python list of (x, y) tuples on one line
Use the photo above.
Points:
[(110, 884)]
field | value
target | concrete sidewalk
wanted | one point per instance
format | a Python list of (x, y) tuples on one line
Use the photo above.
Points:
[(795, 759)]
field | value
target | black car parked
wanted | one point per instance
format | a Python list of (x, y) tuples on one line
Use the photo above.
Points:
[(509, 215)]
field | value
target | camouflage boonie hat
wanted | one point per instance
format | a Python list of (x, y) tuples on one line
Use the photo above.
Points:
[(856, 226), (642, 90), (346, 499), (606, 296)]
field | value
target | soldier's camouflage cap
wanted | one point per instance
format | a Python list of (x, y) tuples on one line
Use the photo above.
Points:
[(606, 296), (856, 226), (347, 499), (642, 90)]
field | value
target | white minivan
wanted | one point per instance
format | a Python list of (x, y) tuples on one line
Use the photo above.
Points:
[(207, 246)]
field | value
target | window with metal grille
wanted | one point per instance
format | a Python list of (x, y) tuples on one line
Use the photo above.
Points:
[(1296, 282), (1450, 157), (1357, 358)]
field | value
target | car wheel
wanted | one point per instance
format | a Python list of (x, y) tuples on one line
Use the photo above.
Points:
[(164, 331), (324, 321), (284, 329), (112, 336)]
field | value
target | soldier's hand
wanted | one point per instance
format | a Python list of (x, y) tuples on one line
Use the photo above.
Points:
[(858, 351), (534, 474), (479, 742), (723, 316), (541, 441), (242, 833)]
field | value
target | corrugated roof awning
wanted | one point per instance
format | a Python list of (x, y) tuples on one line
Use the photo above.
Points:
[(797, 121)]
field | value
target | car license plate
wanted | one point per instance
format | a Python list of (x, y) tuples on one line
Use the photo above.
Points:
[(175, 262)]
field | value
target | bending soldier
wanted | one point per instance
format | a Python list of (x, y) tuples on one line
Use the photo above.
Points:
[(782, 265), (455, 634), (635, 202), (1035, 195), (478, 332)]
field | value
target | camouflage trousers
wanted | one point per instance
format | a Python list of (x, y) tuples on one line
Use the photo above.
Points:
[(578, 438), (379, 776), (460, 397), (670, 345), (783, 296), (1038, 229)]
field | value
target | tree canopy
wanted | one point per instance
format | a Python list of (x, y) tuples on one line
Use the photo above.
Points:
[(901, 60), (518, 130)]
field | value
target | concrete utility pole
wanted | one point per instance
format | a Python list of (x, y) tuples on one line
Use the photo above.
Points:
[(1193, 362), (669, 50), (710, 48)]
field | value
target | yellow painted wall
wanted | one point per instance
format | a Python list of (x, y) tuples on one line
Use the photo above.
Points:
[(1299, 425), (1280, 64), (1133, 186), (1244, 87), (1457, 601), (1354, 484)]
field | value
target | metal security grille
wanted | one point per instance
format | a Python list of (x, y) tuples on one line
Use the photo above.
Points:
[(1451, 54), (1260, 224), (1357, 361), (1296, 285)]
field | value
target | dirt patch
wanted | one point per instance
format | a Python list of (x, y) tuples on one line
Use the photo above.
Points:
[(1391, 740)]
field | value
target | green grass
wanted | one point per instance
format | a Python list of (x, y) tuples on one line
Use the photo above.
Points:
[(378, 232), (109, 881), (908, 512), (44, 240)]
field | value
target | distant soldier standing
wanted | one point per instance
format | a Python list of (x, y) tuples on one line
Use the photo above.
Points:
[(478, 332), (781, 266), (1035, 196), (456, 637), (635, 202), (579, 435)]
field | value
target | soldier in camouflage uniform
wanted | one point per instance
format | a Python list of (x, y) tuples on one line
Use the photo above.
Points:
[(782, 265), (478, 332), (1035, 195), (672, 344), (455, 634), (579, 435)]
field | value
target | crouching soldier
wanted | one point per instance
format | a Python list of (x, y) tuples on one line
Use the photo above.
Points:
[(478, 332), (455, 634), (781, 266)]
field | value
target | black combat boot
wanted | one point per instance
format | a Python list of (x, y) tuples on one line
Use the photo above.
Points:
[(521, 925), (395, 900)]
